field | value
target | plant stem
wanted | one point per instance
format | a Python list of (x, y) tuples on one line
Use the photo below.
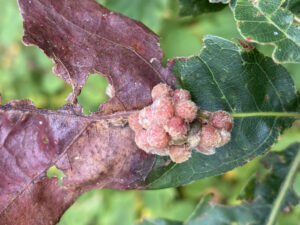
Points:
[(283, 190), (274, 114), (200, 114)]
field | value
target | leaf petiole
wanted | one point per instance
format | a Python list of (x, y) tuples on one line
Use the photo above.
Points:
[(267, 114)]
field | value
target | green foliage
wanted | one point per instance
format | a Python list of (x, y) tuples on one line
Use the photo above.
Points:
[(219, 1), (54, 172), (159, 222), (245, 83), (258, 197), (289, 137), (25, 72), (266, 22), (293, 6), (149, 12), (90, 96), (197, 7), (109, 207)]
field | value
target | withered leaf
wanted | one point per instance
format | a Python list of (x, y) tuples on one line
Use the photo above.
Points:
[(82, 37), (95, 151)]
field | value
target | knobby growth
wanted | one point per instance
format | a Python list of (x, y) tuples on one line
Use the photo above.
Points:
[(174, 126)]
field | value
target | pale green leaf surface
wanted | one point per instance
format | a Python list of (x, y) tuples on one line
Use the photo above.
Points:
[(258, 92), (267, 22)]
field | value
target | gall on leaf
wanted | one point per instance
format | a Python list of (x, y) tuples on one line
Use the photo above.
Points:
[(210, 136), (141, 140), (157, 137), (146, 117), (161, 90), (186, 109), (176, 137), (181, 94), (163, 110), (177, 127), (133, 121), (179, 153), (221, 120)]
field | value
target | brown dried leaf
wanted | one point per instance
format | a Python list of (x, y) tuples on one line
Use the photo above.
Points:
[(94, 151), (82, 37)]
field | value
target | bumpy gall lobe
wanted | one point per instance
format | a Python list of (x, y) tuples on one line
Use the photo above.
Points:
[(177, 127), (210, 136), (221, 120), (133, 121), (163, 110), (193, 140), (179, 153), (181, 94), (205, 150), (145, 117), (161, 90), (186, 109), (141, 140), (225, 135), (159, 151), (157, 137)]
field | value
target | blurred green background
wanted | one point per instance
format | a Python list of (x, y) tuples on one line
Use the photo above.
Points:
[(25, 72)]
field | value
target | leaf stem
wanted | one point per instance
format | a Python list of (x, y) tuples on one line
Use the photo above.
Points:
[(200, 114), (283, 190), (271, 114)]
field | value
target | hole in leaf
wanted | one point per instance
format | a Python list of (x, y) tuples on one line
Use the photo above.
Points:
[(25, 76), (93, 93), (56, 91), (45, 140), (55, 172)]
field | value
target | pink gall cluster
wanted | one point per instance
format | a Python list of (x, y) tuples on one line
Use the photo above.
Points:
[(215, 132), (167, 127)]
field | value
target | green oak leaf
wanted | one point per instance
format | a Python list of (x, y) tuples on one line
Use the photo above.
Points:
[(265, 190), (267, 22), (197, 7), (257, 92), (268, 195)]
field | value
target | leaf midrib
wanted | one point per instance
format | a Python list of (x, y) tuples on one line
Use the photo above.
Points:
[(266, 114), (91, 118)]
